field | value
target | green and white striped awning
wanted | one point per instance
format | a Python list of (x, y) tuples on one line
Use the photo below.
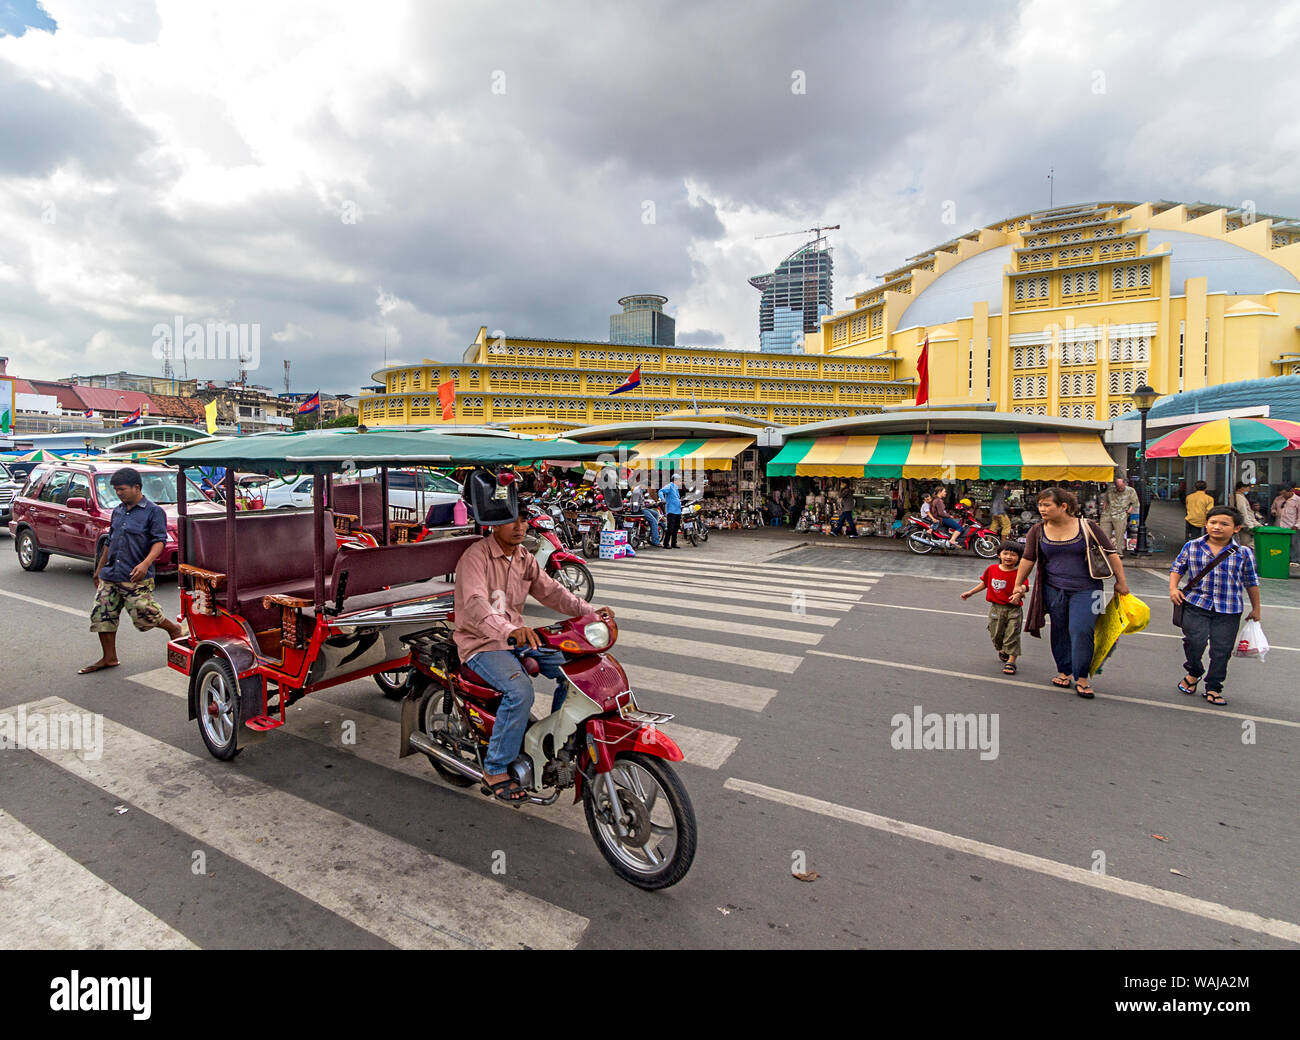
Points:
[(948, 456)]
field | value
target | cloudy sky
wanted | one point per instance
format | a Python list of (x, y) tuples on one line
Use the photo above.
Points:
[(338, 173)]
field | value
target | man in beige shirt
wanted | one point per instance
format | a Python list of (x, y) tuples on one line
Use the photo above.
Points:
[(1116, 504), (493, 581), (1198, 504)]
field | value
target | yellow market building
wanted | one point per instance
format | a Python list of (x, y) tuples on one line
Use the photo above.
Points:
[(540, 385), (1065, 312)]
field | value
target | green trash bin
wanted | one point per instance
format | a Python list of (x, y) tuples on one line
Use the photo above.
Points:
[(1273, 551)]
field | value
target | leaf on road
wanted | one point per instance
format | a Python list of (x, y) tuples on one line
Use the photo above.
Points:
[(1178, 872), (1159, 837), (811, 875)]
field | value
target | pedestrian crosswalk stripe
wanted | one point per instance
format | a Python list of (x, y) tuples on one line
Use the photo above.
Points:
[(776, 582), (709, 592), (708, 561), (50, 901), (847, 580), (683, 619), (822, 570), (670, 578), (787, 615), (715, 691), (405, 896)]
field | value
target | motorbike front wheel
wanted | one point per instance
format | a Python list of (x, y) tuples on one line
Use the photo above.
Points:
[(918, 544), (576, 577), (987, 546), (655, 811)]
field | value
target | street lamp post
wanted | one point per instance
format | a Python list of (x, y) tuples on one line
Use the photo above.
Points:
[(1143, 398)]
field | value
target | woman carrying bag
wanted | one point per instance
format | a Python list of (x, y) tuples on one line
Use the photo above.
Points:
[(1073, 555)]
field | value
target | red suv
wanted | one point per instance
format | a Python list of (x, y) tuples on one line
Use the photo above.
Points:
[(65, 509)]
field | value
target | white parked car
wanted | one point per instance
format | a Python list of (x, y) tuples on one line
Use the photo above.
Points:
[(296, 494)]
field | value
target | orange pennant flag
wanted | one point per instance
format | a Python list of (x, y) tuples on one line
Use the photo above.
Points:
[(447, 398)]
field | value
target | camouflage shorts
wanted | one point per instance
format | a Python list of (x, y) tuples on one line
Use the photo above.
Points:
[(138, 599)]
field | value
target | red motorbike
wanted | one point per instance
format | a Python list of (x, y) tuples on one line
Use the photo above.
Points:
[(599, 742), (924, 536)]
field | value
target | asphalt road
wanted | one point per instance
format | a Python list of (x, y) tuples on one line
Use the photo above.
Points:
[(1143, 818)]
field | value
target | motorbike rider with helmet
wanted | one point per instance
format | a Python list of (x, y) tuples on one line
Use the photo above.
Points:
[(493, 581)]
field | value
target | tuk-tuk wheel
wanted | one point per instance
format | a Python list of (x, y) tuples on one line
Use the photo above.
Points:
[(393, 684), (218, 708)]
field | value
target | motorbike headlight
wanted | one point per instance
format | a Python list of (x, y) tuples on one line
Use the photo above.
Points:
[(597, 634)]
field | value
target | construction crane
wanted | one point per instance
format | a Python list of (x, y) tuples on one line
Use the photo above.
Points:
[(814, 231)]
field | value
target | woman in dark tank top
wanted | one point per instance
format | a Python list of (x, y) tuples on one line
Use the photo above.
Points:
[(1065, 589)]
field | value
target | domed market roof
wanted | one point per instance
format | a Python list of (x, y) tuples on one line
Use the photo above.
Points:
[(1227, 268)]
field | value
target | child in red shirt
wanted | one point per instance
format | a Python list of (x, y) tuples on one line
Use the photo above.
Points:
[(1005, 617)]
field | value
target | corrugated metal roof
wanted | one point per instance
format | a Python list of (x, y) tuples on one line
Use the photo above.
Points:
[(1280, 393)]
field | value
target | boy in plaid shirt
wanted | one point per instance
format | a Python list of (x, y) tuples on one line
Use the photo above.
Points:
[(1212, 611)]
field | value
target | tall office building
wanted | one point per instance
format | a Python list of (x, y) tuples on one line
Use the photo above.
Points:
[(643, 322), (795, 297)]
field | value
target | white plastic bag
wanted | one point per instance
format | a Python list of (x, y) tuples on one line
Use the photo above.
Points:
[(1251, 641)]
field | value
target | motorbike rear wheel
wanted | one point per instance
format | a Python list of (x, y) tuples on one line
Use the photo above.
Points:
[(704, 533), (656, 811), (691, 536), (591, 544), (918, 544), (987, 546), (435, 711)]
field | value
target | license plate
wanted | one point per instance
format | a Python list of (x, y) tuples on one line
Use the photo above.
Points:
[(584, 527), (628, 524)]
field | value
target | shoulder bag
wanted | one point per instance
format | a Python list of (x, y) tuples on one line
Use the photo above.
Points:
[(1098, 565), (1178, 607)]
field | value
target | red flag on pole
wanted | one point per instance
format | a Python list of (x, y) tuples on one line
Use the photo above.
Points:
[(923, 373), (447, 398)]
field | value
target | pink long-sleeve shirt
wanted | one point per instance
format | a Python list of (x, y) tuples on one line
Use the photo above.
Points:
[(491, 589)]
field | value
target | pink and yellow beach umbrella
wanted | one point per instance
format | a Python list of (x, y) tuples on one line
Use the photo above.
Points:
[(1227, 436)]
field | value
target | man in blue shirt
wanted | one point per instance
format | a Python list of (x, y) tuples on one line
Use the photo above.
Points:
[(1212, 611), (137, 535), (672, 499)]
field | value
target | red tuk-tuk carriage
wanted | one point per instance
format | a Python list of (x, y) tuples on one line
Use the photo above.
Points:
[(279, 606)]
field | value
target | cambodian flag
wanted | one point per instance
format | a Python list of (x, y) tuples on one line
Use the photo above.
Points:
[(132, 419), (312, 404), (631, 383), (89, 413)]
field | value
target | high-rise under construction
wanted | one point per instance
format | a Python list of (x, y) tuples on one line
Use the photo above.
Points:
[(795, 297)]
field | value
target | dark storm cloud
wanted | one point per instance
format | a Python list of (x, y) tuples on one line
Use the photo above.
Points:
[(43, 127)]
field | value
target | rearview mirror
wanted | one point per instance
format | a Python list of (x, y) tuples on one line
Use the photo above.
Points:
[(82, 504)]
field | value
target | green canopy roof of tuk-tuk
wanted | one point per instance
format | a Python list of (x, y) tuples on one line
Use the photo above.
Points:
[(331, 450)]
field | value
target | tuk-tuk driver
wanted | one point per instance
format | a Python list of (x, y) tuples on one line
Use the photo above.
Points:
[(493, 580)]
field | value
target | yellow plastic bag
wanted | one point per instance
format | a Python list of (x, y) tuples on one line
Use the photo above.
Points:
[(1123, 615)]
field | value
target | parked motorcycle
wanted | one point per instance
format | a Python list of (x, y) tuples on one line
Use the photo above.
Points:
[(555, 560), (923, 536), (693, 528), (599, 742)]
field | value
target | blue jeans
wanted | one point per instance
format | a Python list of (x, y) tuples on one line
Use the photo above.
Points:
[(503, 671), (652, 518), (1073, 620), (845, 517)]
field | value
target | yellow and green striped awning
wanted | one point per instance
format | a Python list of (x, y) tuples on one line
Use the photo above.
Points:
[(714, 453), (948, 456)]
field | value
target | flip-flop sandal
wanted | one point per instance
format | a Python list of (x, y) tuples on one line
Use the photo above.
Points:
[(506, 790), (96, 668), (1086, 692), (1009, 669), (1214, 697), (1061, 683), (1184, 689)]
